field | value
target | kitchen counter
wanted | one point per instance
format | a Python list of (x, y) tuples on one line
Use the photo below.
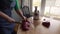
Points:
[(40, 29)]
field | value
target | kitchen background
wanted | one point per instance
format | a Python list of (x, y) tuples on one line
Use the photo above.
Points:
[(47, 8)]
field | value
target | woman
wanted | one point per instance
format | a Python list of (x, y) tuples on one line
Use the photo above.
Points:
[(6, 22)]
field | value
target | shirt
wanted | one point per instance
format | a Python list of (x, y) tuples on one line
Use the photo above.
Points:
[(17, 6)]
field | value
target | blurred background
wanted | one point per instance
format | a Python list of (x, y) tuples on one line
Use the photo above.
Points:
[(47, 8)]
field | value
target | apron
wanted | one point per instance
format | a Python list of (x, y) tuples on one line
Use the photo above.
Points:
[(5, 27)]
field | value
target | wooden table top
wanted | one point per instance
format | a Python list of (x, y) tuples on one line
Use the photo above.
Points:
[(40, 29)]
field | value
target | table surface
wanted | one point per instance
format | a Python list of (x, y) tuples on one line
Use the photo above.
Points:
[(40, 29)]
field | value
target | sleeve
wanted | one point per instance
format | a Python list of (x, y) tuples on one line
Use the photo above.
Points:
[(17, 6)]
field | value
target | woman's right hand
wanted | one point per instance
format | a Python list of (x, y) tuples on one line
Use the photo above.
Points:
[(11, 20)]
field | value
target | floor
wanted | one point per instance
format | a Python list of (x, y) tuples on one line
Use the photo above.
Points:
[(40, 29)]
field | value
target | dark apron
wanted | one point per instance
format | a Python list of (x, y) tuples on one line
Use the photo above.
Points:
[(5, 27)]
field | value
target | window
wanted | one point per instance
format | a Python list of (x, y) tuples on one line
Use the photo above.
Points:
[(52, 8), (36, 3)]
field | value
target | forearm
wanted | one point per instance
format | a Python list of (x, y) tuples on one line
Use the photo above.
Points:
[(19, 12), (6, 17), (18, 9)]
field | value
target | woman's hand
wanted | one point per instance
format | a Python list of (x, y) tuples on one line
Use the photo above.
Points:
[(6, 17), (11, 20)]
